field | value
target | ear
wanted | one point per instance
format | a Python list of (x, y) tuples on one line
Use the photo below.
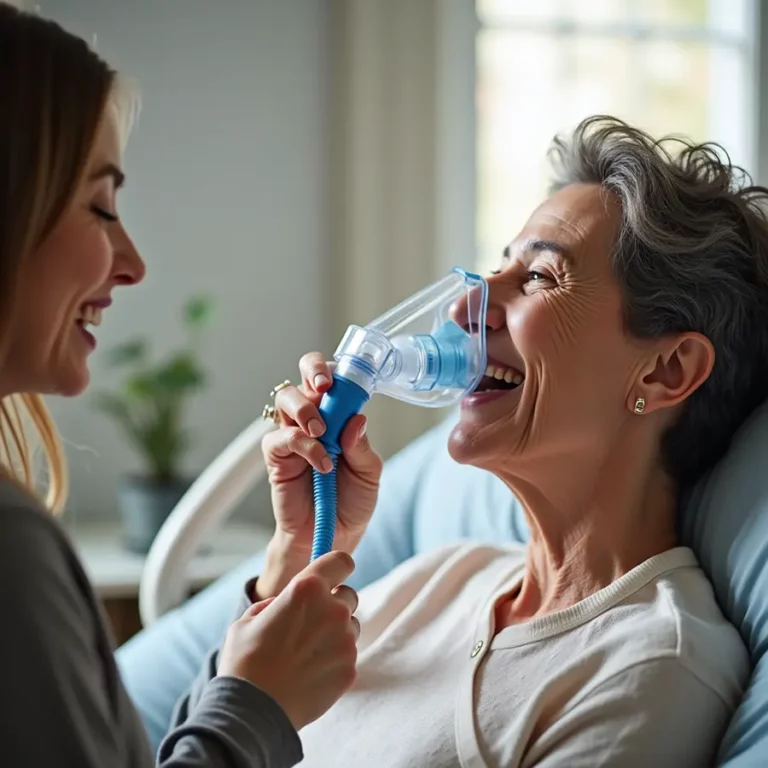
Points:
[(677, 370)]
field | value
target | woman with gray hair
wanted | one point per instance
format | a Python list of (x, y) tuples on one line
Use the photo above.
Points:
[(627, 333)]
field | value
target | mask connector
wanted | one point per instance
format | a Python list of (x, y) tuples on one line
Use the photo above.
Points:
[(429, 350)]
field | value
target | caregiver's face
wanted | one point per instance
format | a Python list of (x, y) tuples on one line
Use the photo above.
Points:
[(555, 325), (67, 283)]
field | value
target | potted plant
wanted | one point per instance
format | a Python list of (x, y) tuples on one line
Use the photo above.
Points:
[(150, 407)]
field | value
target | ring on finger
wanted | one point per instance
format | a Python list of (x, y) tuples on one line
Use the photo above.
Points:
[(270, 413), (281, 385)]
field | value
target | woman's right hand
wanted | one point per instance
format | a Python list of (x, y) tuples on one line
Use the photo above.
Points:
[(291, 453), (300, 647)]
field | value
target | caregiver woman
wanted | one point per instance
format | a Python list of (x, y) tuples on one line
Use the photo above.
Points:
[(63, 249)]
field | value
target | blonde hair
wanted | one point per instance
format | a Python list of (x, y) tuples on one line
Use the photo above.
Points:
[(16, 449), (57, 91)]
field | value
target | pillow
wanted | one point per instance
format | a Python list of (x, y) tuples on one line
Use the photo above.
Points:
[(725, 521)]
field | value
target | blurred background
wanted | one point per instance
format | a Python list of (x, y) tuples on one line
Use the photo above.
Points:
[(309, 163)]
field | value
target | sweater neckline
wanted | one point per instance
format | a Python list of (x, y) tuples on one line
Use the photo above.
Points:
[(590, 607)]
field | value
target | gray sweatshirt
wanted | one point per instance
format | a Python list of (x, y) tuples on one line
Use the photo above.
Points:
[(63, 703)]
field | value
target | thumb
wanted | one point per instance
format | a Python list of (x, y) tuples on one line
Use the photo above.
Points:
[(332, 568), (357, 450)]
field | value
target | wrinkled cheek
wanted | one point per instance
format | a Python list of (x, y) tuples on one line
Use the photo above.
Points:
[(566, 391), (544, 333)]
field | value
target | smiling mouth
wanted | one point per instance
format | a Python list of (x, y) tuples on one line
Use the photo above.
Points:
[(89, 315), (499, 377)]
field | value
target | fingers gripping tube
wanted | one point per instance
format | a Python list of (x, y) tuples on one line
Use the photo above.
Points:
[(339, 405)]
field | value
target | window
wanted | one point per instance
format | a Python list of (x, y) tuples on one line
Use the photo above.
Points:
[(668, 66)]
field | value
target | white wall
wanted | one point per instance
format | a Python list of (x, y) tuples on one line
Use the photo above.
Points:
[(404, 136), (228, 172)]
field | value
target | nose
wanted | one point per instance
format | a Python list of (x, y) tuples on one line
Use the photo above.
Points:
[(466, 311), (129, 267)]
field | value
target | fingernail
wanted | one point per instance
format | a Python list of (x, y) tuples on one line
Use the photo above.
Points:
[(321, 381), (326, 464), (363, 428), (315, 427)]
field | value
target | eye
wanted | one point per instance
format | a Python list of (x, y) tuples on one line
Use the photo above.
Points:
[(103, 214), (495, 272), (535, 279)]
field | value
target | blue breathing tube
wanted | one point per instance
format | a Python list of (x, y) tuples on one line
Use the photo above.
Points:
[(415, 353), (339, 404), (443, 361)]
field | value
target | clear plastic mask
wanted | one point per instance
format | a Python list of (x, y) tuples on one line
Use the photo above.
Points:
[(429, 350)]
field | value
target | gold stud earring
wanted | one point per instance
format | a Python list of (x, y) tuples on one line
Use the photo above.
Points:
[(639, 405)]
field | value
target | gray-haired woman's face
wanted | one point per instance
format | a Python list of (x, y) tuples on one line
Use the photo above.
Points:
[(555, 317)]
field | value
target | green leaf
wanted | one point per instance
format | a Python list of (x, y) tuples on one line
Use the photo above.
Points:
[(111, 404), (130, 352), (118, 409), (198, 311), (181, 374), (149, 405), (165, 442), (141, 387)]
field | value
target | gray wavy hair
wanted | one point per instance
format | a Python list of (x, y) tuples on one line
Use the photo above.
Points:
[(691, 255)]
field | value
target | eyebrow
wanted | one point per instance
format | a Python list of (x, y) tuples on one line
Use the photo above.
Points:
[(109, 170), (537, 245)]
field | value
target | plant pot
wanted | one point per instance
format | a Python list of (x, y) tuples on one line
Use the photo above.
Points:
[(144, 506)]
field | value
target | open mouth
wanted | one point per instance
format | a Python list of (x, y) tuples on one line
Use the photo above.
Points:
[(499, 376), (90, 314)]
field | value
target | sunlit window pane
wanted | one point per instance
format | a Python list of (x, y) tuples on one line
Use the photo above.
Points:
[(496, 12), (535, 81), (505, 11), (726, 15), (678, 12), (516, 121), (681, 13), (675, 84)]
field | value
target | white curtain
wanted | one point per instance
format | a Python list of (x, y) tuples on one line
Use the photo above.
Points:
[(403, 165)]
